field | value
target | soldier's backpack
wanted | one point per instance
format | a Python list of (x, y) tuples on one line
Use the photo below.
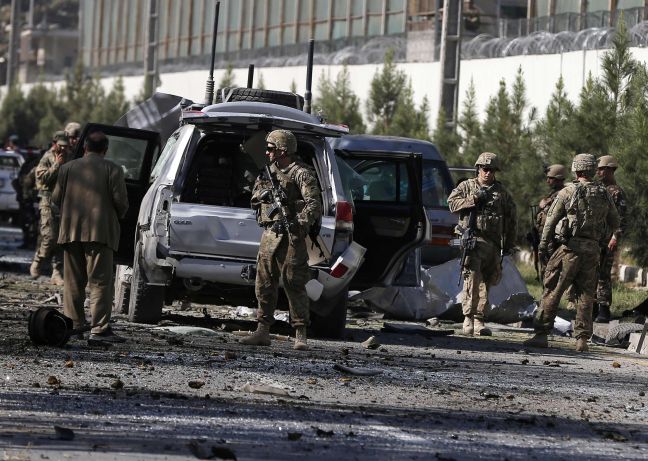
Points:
[(586, 212)]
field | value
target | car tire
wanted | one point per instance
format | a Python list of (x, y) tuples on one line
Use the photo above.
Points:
[(255, 95), (122, 290), (146, 301), (333, 324)]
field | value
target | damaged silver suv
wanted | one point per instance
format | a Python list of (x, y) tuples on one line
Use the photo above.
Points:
[(191, 234)]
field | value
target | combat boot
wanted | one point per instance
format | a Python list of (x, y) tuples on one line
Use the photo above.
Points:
[(480, 328), (468, 325), (261, 337), (603, 314), (538, 340), (300, 339), (57, 277), (34, 269), (581, 344)]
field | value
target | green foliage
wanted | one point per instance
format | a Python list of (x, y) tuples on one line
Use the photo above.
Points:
[(555, 133), (114, 106), (338, 103), (594, 119), (14, 117), (410, 121), (385, 95), (260, 82), (618, 67), (228, 78), (446, 140), (472, 142)]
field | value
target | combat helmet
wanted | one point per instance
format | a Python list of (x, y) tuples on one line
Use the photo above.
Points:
[(488, 159), (73, 129), (607, 161), (283, 139), (585, 163), (557, 171)]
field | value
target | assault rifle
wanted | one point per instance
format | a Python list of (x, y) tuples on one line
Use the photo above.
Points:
[(468, 240), (278, 198), (533, 237)]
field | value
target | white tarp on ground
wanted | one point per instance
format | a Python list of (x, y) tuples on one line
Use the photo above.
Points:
[(439, 294)]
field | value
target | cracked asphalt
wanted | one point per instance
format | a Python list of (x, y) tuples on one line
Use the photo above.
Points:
[(175, 397)]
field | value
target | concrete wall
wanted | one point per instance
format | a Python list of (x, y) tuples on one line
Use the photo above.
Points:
[(541, 73)]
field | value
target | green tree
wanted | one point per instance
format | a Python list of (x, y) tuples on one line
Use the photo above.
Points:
[(410, 121), (594, 119), (446, 140), (472, 140), (618, 68), (14, 117), (554, 133), (115, 104), (385, 94), (45, 106), (337, 101), (228, 78)]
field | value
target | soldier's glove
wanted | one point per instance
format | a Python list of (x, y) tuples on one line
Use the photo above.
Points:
[(480, 196), (265, 196)]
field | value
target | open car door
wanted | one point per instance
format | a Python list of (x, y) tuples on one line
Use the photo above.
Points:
[(135, 151), (389, 218)]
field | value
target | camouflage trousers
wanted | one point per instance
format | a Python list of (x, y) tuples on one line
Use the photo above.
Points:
[(280, 260), (606, 268), (575, 266), (48, 249), (483, 269)]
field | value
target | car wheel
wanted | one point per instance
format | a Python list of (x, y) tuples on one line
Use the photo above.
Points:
[(122, 289), (333, 324), (145, 303)]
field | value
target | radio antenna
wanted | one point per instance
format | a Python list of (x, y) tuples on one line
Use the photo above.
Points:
[(309, 77), (209, 93)]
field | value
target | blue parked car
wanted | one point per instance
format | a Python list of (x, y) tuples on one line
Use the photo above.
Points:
[(366, 181)]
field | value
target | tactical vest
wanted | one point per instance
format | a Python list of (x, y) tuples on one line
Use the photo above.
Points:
[(587, 209)]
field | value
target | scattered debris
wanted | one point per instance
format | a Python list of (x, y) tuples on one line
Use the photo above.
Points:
[(311, 381), (190, 331), (244, 311), (371, 343), (265, 389), (69, 363), (117, 384), (196, 384), (359, 371), (409, 328), (615, 436), (63, 433), (53, 381), (616, 364), (201, 450), (432, 322), (322, 433), (229, 355), (294, 436)]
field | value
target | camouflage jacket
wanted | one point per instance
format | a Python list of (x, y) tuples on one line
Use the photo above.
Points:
[(496, 218), (543, 209), (619, 199), (581, 213), (46, 173), (303, 196)]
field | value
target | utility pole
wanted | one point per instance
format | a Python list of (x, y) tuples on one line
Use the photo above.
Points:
[(150, 52), (14, 36), (451, 59)]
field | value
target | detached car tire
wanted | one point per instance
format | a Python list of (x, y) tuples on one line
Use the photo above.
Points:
[(146, 301), (255, 95), (333, 324)]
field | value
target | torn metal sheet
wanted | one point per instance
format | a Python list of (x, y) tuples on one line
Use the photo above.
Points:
[(439, 294)]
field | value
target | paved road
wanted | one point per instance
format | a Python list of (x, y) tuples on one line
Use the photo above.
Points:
[(165, 396)]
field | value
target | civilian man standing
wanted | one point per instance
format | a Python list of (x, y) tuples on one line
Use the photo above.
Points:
[(91, 194)]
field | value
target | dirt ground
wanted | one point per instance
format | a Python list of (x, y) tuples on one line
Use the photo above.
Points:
[(162, 395)]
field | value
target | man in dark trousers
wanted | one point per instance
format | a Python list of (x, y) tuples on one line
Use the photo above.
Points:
[(91, 194)]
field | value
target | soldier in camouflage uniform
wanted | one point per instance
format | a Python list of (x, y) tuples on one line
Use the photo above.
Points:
[(496, 230), (46, 174), (73, 131), (607, 165), (556, 181), (282, 252), (578, 219)]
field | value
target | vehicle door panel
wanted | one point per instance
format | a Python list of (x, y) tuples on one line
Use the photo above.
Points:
[(135, 151), (389, 218)]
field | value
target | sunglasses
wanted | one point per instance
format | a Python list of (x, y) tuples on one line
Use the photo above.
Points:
[(486, 169), (271, 148)]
